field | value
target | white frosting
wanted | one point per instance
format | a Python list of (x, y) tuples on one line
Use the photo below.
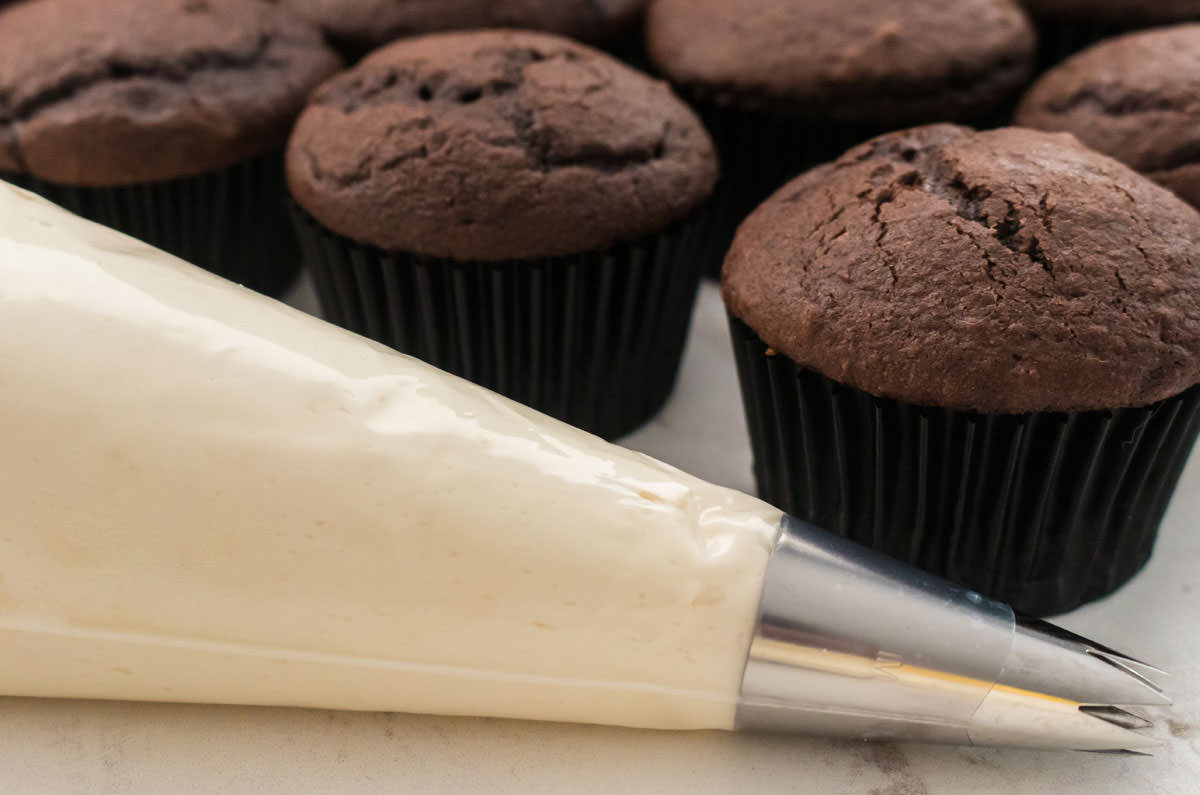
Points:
[(208, 496)]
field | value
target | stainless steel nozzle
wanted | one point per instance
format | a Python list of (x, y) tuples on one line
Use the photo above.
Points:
[(852, 643)]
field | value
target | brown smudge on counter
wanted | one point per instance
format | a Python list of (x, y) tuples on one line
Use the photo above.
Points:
[(891, 760), (1181, 729)]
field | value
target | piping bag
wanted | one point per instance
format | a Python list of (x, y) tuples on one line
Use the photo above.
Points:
[(208, 496)]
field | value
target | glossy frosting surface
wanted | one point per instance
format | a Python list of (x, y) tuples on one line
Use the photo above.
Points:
[(208, 496)]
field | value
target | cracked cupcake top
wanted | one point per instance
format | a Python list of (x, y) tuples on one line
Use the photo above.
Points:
[(497, 145), (366, 23), (1005, 271), (1135, 98), (873, 61), (127, 91)]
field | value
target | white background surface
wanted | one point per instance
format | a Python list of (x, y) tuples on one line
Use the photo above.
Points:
[(105, 747)]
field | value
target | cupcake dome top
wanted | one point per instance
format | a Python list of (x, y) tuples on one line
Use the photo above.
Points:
[(1006, 271), (1130, 11), (127, 91), (1135, 97), (374, 22), (852, 60), (497, 145)]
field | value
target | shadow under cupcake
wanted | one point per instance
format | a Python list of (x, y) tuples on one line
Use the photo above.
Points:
[(512, 207), (164, 120), (977, 352)]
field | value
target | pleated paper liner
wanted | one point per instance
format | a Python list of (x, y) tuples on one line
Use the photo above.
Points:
[(628, 46), (595, 339), (759, 153), (1058, 39), (233, 222), (1045, 511)]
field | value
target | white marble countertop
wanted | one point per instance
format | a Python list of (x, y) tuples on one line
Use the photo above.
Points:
[(105, 747)]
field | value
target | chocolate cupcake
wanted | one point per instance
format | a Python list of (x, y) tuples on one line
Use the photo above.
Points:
[(1135, 98), (513, 207), (358, 26), (786, 84), (1067, 26), (976, 352), (164, 119)]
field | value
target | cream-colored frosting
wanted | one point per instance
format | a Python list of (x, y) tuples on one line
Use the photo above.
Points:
[(208, 496)]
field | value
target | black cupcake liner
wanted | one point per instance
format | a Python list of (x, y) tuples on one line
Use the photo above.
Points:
[(759, 153), (630, 47), (625, 45), (1045, 511), (233, 222), (595, 339), (1059, 39)]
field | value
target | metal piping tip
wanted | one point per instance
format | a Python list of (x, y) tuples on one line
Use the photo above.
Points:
[(1021, 719), (853, 643), (1141, 670), (1047, 659), (1118, 717), (1071, 639)]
